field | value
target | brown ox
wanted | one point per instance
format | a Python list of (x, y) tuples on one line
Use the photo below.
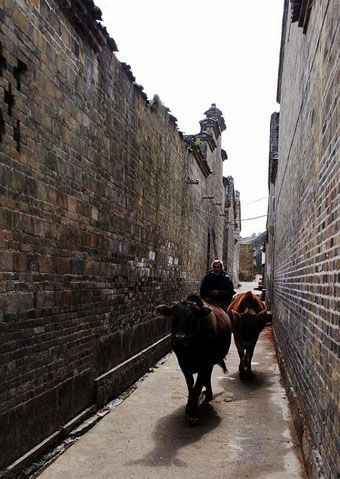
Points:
[(200, 336), (248, 315)]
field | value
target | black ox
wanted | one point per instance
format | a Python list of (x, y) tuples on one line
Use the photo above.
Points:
[(200, 335)]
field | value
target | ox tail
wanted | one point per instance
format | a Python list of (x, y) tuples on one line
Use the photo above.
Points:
[(223, 366)]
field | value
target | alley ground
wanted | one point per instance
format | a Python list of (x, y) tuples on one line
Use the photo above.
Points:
[(245, 433)]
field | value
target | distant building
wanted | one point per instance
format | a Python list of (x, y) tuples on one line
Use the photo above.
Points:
[(246, 262), (255, 244)]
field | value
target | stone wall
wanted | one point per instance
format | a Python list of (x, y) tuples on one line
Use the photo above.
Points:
[(100, 219), (306, 244), (270, 240), (246, 262), (231, 248)]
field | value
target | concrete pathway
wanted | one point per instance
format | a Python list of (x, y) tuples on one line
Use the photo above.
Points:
[(245, 433)]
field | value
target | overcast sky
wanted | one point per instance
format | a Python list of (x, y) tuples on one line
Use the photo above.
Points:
[(193, 53)]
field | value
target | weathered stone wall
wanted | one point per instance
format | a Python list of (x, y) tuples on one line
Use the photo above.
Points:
[(236, 254), (306, 252), (229, 251), (272, 172), (231, 248), (269, 259), (98, 221), (246, 262)]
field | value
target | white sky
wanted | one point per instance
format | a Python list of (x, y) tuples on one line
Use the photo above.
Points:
[(193, 53)]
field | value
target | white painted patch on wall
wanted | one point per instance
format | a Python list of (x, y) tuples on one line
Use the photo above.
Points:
[(152, 255), (94, 214)]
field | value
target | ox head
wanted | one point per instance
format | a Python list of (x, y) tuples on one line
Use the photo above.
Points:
[(186, 317), (249, 325)]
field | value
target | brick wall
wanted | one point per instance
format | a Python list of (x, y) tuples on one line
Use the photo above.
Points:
[(272, 172), (98, 221), (306, 244), (231, 248)]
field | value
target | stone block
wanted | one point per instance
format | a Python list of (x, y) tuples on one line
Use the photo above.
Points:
[(6, 261), (19, 261)]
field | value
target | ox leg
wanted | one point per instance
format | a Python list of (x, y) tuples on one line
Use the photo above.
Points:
[(203, 379), (241, 368), (240, 349), (192, 407), (249, 356), (207, 383), (189, 378)]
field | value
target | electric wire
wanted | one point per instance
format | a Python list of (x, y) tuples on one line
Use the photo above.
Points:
[(255, 201), (225, 219)]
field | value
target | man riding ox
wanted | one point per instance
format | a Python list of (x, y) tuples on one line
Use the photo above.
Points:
[(217, 287)]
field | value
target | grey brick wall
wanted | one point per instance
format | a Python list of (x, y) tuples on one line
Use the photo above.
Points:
[(305, 247), (231, 248), (98, 223)]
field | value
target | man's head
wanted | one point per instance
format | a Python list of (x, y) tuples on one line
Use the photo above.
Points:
[(217, 266)]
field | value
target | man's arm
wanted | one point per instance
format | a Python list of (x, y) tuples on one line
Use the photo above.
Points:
[(205, 288), (230, 286)]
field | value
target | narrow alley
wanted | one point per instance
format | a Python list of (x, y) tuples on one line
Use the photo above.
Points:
[(244, 433), (142, 143)]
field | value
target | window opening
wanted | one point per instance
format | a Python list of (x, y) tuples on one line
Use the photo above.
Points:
[(2, 61), (18, 72), (16, 135), (2, 127), (9, 99)]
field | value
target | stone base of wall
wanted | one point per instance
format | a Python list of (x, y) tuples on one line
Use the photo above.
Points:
[(107, 387), (13, 471), (114, 382), (310, 454)]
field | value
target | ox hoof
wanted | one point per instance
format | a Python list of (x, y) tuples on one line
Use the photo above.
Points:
[(193, 421), (249, 373), (191, 411), (242, 374)]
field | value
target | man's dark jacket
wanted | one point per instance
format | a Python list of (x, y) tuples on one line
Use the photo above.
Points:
[(222, 283)]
